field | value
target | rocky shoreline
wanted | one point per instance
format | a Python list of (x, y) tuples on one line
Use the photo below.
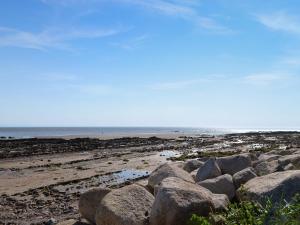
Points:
[(45, 178)]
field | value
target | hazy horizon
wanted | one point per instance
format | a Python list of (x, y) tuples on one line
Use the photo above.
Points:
[(150, 63)]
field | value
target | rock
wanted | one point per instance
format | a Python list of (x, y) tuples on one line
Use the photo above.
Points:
[(220, 185), (274, 186), (266, 167), (180, 164), (167, 170), (52, 221), (294, 159), (289, 166), (194, 173), (268, 157), (193, 164), (210, 169), (177, 200), (220, 202), (289, 151), (265, 157), (129, 205), (233, 164), (89, 202), (253, 156), (69, 222), (243, 176)]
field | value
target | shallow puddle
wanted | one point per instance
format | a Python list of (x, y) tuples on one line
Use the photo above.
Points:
[(169, 153), (107, 180), (129, 174)]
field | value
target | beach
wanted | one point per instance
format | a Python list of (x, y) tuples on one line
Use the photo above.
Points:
[(42, 178)]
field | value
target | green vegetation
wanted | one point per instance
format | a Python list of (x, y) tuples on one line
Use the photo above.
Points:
[(250, 213), (198, 220)]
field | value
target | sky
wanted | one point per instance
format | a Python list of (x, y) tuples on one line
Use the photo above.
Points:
[(191, 63)]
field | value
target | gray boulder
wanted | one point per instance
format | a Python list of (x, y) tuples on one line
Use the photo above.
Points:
[(289, 166), (276, 186), (268, 157), (167, 170), (220, 202), (180, 164), (243, 176), (193, 164), (89, 201), (288, 151), (267, 167), (265, 157), (293, 159), (194, 173), (233, 164), (177, 200), (129, 205), (220, 185), (210, 169)]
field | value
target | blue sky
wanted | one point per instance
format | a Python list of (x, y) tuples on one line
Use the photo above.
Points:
[(206, 63)]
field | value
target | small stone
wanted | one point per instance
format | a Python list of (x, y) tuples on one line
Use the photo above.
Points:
[(52, 221)]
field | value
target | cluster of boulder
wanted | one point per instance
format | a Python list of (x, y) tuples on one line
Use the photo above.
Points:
[(177, 190)]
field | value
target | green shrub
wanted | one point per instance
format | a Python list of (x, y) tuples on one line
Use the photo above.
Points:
[(251, 213), (198, 220)]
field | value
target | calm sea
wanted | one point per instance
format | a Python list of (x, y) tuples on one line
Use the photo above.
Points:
[(27, 132)]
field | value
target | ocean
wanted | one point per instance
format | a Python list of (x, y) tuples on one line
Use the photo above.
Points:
[(29, 132)]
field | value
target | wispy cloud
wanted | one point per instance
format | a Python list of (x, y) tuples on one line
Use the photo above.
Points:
[(280, 21), (131, 43), (49, 38), (56, 77), (266, 78), (183, 84), (183, 9), (292, 61), (67, 2)]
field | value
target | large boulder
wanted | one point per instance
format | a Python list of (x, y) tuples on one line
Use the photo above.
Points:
[(265, 158), (167, 170), (210, 169), (268, 157), (287, 151), (176, 200), (193, 164), (293, 159), (194, 173), (220, 185), (267, 167), (129, 205), (276, 186), (220, 202), (180, 164), (89, 201), (233, 164), (289, 166), (243, 176)]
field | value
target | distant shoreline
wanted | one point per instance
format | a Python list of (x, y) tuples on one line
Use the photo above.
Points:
[(104, 132), (166, 135)]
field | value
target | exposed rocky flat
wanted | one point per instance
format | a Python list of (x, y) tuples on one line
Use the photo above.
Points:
[(42, 179)]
